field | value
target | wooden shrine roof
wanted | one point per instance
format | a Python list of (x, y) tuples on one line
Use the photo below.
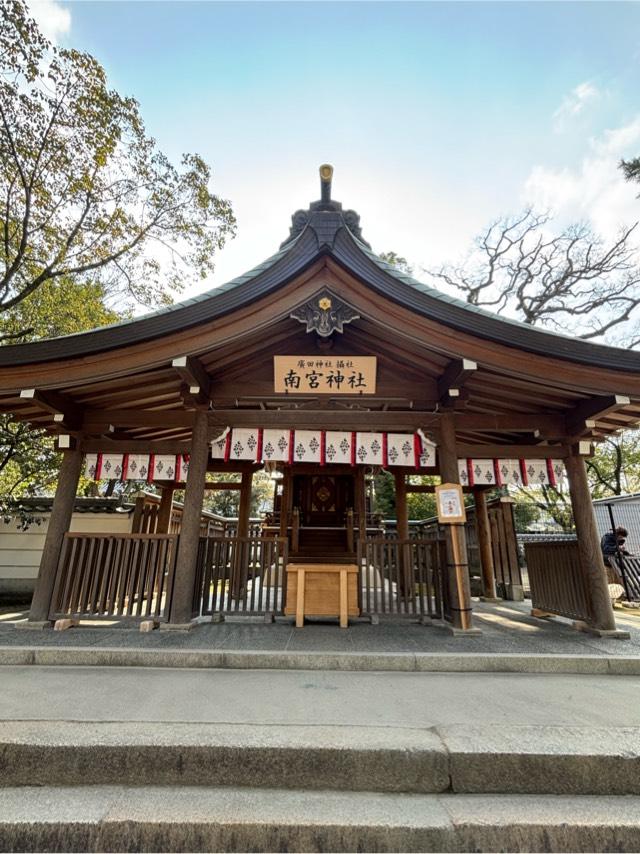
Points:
[(527, 385)]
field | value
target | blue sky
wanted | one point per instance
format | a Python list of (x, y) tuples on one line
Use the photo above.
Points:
[(436, 116)]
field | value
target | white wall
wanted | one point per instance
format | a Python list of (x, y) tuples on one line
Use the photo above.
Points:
[(20, 551)]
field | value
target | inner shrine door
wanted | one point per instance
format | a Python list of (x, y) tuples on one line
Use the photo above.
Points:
[(323, 499)]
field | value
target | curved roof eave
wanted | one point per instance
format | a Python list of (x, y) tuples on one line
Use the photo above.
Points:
[(291, 260), (455, 313), (295, 256)]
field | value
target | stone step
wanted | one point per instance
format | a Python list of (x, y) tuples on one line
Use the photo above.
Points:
[(539, 760), (119, 818)]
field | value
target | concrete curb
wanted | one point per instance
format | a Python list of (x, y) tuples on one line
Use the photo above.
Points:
[(460, 759), (209, 819), (445, 662)]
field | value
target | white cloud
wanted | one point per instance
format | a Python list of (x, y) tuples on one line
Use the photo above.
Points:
[(52, 17), (595, 189), (573, 104)]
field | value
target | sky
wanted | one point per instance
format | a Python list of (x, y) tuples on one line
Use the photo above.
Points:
[(437, 117)]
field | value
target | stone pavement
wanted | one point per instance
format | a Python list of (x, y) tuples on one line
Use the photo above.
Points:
[(215, 755), (507, 628)]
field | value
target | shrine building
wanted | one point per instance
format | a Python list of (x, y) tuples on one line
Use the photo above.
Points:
[(323, 366)]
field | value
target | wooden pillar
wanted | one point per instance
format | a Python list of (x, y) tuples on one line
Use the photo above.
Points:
[(59, 522), (402, 526), (242, 552), (163, 523), (457, 577), (186, 569), (402, 514), (361, 502), (591, 562), (285, 500), (244, 511), (484, 543)]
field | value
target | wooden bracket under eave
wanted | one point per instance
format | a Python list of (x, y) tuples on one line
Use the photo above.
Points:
[(195, 389), (583, 417), (66, 414), (451, 383)]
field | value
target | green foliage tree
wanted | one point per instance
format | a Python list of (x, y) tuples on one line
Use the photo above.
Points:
[(398, 261), (85, 193), (28, 461), (631, 169)]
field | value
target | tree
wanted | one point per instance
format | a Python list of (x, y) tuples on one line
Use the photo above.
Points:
[(397, 261), (569, 280), (85, 193), (631, 169), (28, 461)]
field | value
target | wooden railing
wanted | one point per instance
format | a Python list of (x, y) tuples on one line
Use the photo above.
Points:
[(102, 576), (401, 577), (557, 582), (241, 574)]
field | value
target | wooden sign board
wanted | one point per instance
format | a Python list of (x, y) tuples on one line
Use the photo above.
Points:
[(324, 374), (450, 504)]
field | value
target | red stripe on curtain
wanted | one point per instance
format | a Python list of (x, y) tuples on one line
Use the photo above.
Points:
[(227, 447), (152, 467), (353, 448), (259, 447), (292, 439), (99, 467), (472, 481), (385, 450), (125, 467), (551, 473), (323, 447), (497, 472), (417, 449), (523, 473)]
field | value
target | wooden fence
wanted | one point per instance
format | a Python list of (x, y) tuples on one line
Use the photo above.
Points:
[(106, 576), (400, 577), (557, 582), (629, 571), (241, 575)]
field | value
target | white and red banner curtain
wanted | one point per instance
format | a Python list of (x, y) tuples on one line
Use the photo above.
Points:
[(147, 467), (510, 472), (325, 447)]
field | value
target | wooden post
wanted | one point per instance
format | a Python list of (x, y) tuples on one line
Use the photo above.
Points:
[(186, 569), (244, 511), (59, 522), (163, 519), (361, 503), (457, 570), (484, 544), (591, 561), (242, 552), (402, 526), (285, 499)]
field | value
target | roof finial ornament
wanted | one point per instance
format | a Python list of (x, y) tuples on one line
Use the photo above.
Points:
[(325, 218), (326, 174)]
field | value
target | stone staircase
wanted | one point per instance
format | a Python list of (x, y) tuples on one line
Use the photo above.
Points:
[(152, 786)]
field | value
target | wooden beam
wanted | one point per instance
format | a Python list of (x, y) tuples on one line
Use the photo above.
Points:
[(96, 419), (531, 452), (592, 410), (454, 377), (547, 424), (65, 412), (190, 369), (135, 446), (209, 484), (339, 419)]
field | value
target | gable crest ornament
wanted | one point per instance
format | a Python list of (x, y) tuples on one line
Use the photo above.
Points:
[(325, 314)]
